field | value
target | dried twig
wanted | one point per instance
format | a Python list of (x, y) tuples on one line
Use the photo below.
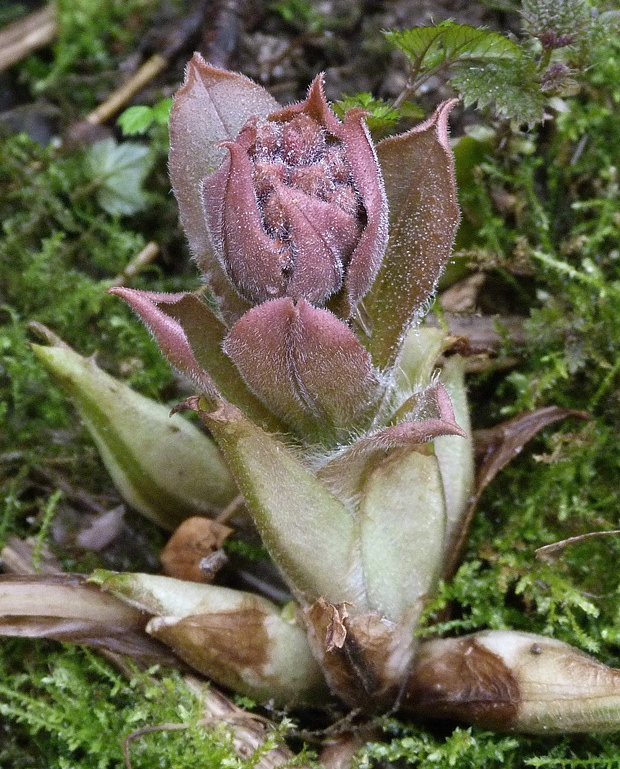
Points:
[(547, 552), (141, 260), (157, 63), (231, 508), (23, 37), (249, 731), (119, 98), (16, 558)]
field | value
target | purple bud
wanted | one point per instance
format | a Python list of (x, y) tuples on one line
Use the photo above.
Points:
[(305, 365), (551, 39), (298, 209)]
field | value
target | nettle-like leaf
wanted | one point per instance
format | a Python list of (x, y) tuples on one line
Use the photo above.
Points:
[(568, 19), (486, 67), (429, 47), (512, 86), (118, 172)]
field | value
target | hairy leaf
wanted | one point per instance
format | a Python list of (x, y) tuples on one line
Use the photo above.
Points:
[(307, 366), (309, 533), (190, 336), (429, 47), (512, 86), (486, 67), (165, 468), (455, 454), (418, 169), (567, 19), (402, 503), (212, 106)]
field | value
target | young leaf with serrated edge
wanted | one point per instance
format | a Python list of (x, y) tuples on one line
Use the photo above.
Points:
[(430, 47), (486, 67), (511, 86)]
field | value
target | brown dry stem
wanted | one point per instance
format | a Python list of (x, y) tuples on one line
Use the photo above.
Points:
[(26, 35)]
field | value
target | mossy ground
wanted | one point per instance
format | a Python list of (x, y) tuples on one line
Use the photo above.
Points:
[(542, 213)]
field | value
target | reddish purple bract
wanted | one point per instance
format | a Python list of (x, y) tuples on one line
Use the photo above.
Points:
[(298, 208)]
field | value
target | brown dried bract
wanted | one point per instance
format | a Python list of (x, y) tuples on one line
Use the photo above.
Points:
[(461, 680), (194, 540), (355, 652)]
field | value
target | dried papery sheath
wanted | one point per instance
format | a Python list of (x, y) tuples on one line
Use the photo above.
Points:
[(194, 552), (364, 656), (65, 608), (513, 681), (238, 639)]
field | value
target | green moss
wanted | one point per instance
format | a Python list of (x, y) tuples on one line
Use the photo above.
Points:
[(93, 35), (461, 748), (552, 247), (69, 708)]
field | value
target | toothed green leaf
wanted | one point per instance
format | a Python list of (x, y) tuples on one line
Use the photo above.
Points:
[(512, 86), (485, 67), (428, 47)]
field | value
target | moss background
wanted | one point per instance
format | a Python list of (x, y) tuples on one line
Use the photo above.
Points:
[(542, 225)]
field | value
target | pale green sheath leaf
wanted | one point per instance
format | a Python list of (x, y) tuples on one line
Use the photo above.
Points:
[(455, 454), (309, 533), (163, 466), (402, 523)]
